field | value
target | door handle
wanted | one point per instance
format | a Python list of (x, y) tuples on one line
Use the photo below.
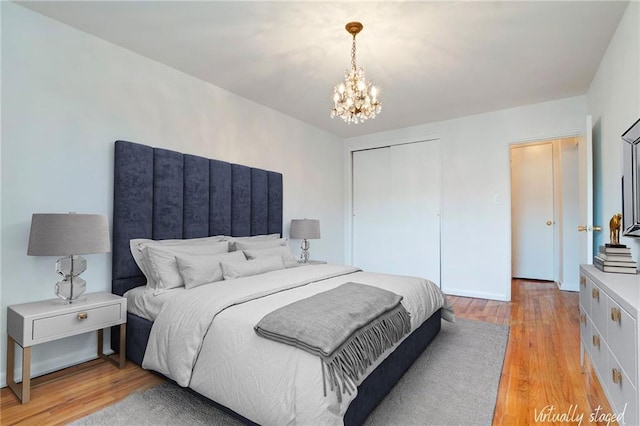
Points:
[(549, 223), (583, 228)]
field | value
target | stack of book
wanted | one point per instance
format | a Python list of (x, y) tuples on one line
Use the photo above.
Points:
[(615, 259)]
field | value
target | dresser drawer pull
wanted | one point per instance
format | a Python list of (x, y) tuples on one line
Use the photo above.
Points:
[(616, 376), (583, 281), (596, 340), (595, 294), (82, 316), (583, 319), (615, 314)]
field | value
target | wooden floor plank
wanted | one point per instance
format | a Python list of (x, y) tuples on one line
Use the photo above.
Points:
[(541, 366)]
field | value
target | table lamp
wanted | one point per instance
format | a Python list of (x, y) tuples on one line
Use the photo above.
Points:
[(69, 235), (305, 230)]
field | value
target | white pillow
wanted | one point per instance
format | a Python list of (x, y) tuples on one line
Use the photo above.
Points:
[(288, 258), (138, 244), (259, 244), (233, 240), (199, 269), (232, 270), (255, 237), (138, 256), (163, 266)]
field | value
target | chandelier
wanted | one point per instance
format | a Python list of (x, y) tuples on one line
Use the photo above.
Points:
[(355, 99)]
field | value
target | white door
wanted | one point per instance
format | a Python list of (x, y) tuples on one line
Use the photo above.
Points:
[(415, 210), (585, 171), (371, 208), (396, 210), (532, 215)]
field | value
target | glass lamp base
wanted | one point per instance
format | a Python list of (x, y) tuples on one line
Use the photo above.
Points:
[(71, 288), (304, 255)]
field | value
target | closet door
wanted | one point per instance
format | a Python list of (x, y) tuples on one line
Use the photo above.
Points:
[(372, 209), (396, 207)]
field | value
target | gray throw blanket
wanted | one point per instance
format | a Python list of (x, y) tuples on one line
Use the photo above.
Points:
[(348, 327)]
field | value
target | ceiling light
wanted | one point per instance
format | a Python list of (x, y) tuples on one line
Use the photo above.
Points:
[(355, 99)]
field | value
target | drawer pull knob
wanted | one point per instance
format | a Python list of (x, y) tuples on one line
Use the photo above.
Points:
[(82, 315), (595, 294), (615, 314), (583, 318), (583, 280), (616, 376), (596, 340)]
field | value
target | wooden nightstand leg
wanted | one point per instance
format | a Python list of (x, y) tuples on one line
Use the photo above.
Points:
[(122, 356), (26, 374), (22, 390), (123, 344), (11, 363), (100, 344)]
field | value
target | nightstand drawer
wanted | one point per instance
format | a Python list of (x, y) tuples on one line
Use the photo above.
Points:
[(75, 322)]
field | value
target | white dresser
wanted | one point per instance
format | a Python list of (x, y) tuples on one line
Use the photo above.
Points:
[(609, 307)]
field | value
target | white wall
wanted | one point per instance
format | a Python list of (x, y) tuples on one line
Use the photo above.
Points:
[(476, 218), (67, 96), (614, 102)]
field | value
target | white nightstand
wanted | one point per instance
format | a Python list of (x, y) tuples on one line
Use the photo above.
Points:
[(30, 324)]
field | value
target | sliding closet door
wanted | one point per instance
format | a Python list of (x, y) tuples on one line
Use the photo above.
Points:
[(415, 207), (396, 206), (372, 209)]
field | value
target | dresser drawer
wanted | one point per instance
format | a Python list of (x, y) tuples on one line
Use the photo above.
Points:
[(76, 322), (598, 350), (585, 294), (599, 309), (621, 337), (622, 393), (585, 330)]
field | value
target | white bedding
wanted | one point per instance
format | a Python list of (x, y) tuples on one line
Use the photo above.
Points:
[(204, 338), (142, 301)]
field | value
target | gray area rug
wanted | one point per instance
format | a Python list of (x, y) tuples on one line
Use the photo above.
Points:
[(454, 382)]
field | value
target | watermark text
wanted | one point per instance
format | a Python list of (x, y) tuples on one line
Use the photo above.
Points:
[(553, 414)]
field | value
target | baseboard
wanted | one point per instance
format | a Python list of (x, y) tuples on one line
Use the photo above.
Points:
[(568, 287), (477, 294)]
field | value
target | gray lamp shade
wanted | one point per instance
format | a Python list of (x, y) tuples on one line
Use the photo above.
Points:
[(304, 229), (67, 234)]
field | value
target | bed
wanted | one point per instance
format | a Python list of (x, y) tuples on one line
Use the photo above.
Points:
[(161, 195)]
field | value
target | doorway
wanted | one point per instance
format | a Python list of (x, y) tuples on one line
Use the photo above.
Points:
[(545, 210)]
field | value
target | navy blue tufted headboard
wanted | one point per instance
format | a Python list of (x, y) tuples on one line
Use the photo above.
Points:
[(162, 194)]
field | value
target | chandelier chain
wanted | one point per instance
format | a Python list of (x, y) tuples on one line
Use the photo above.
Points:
[(353, 53)]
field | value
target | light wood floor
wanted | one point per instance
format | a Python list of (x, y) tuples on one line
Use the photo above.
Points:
[(541, 366)]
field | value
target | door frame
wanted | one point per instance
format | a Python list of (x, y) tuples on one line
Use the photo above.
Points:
[(558, 265), (554, 195)]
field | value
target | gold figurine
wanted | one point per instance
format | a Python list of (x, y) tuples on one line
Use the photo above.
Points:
[(614, 228)]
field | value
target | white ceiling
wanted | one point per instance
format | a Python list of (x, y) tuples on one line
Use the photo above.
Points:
[(432, 60)]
